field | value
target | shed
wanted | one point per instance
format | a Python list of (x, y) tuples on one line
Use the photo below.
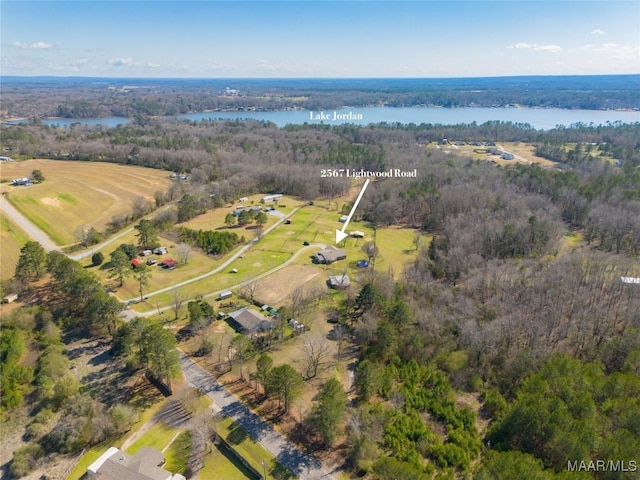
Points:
[(357, 234), (339, 282), (136, 262), (225, 294), (12, 297)]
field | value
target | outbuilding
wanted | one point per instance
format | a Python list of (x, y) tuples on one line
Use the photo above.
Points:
[(12, 297)]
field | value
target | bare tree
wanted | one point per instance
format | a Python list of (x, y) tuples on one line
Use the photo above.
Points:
[(183, 252), (179, 297), (317, 352), (249, 291)]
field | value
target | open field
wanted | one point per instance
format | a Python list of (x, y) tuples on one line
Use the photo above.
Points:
[(12, 238), (77, 194), (273, 289)]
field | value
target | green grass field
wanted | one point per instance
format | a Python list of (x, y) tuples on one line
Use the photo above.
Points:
[(12, 238)]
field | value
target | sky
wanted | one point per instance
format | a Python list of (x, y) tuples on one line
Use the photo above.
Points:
[(318, 39)]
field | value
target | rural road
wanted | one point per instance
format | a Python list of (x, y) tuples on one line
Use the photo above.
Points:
[(228, 262), (133, 314), (30, 229), (302, 465)]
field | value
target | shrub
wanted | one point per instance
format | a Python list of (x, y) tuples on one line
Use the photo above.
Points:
[(97, 259)]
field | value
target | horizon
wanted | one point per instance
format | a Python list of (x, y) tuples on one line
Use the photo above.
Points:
[(319, 40)]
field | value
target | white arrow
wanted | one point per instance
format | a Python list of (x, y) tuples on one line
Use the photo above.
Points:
[(340, 235)]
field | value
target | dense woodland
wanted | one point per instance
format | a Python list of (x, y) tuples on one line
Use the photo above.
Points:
[(517, 299), (42, 97)]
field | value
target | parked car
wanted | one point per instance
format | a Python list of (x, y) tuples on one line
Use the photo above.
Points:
[(305, 243)]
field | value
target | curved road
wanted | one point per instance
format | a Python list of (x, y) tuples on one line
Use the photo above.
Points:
[(302, 465)]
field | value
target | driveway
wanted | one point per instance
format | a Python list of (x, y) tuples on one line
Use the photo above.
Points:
[(302, 465)]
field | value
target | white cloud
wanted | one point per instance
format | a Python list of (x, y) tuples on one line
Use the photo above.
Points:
[(535, 46), (548, 48), (520, 45), (597, 31), (121, 62), (32, 46)]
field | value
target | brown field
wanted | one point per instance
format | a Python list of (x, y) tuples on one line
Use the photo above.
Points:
[(77, 194), (273, 289)]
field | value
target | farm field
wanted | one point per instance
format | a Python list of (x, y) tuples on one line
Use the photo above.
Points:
[(12, 238), (77, 194)]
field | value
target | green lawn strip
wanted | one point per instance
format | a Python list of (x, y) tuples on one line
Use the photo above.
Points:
[(250, 450), (177, 455), (12, 239), (158, 436), (25, 206), (222, 464)]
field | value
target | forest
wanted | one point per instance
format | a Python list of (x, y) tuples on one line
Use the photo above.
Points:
[(42, 97), (517, 299)]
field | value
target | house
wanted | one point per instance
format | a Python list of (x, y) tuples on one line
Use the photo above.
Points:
[(237, 211), (145, 253), (5, 159), (21, 181), (136, 262), (160, 250), (146, 464), (508, 156), (339, 282), (329, 255), (250, 322), (357, 234), (12, 297), (271, 198), (168, 264)]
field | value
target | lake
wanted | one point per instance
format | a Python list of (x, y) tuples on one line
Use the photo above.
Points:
[(539, 118)]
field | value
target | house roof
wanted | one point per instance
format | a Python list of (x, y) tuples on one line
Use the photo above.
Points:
[(337, 281), (330, 254), (144, 465), (251, 321)]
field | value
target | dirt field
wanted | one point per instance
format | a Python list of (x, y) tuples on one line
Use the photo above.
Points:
[(273, 289), (78, 193)]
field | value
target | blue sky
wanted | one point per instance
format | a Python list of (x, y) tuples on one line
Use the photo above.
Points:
[(214, 39)]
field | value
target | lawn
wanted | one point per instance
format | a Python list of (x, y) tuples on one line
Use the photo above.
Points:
[(250, 450), (12, 238), (223, 465), (78, 194)]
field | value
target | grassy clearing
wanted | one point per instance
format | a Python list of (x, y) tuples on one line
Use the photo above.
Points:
[(12, 238), (251, 451), (79, 193), (222, 464), (158, 436), (177, 455)]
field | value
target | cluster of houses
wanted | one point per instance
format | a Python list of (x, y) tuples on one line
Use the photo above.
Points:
[(167, 263)]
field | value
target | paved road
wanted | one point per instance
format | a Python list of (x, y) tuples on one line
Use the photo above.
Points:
[(30, 229), (302, 465)]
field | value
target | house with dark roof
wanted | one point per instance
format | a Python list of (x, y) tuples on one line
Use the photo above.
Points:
[(329, 255), (146, 464), (249, 322)]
